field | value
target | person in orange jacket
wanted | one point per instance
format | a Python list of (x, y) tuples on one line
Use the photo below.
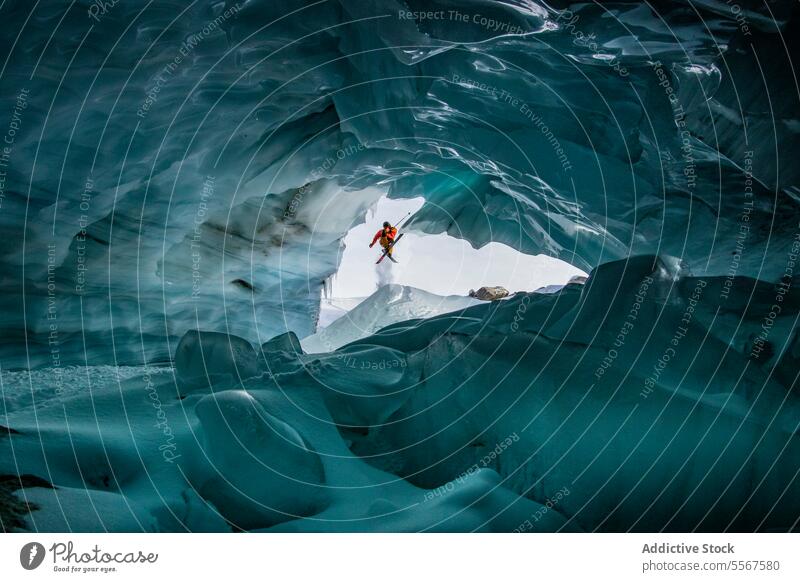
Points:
[(386, 236)]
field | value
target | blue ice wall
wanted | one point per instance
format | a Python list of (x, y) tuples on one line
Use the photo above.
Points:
[(157, 152)]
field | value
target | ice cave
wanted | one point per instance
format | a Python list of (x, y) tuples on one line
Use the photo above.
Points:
[(177, 185)]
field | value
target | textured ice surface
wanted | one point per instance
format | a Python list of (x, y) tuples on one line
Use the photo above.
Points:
[(144, 197), (203, 359), (473, 420)]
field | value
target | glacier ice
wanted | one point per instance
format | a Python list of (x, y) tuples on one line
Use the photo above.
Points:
[(243, 168), (469, 420), (175, 193), (208, 358), (265, 472)]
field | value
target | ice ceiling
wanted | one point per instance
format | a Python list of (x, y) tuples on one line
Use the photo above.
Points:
[(172, 166)]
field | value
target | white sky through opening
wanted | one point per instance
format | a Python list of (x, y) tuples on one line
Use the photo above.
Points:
[(438, 264)]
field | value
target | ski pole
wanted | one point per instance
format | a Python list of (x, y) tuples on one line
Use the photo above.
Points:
[(402, 220)]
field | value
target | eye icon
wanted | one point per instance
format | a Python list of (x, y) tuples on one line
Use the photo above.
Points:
[(31, 555)]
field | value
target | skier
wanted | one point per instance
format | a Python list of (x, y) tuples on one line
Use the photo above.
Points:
[(386, 235)]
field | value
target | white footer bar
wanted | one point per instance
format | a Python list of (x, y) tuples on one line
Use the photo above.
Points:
[(401, 557)]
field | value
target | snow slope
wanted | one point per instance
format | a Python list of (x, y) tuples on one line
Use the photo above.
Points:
[(332, 309), (388, 305)]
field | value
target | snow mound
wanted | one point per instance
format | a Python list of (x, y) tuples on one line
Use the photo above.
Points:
[(265, 472), (389, 304), (332, 309), (202, 358)]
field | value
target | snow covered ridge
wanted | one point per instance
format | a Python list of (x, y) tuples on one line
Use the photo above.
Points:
[(320, 442), (301, 118), (388, 305), (392, 304)]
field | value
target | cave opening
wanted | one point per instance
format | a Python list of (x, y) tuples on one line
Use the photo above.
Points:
[(440, 265)]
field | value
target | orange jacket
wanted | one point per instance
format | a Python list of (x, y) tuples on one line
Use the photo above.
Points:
[(389, 233)]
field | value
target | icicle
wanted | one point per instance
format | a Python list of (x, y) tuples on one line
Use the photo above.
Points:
[(326, 288)]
